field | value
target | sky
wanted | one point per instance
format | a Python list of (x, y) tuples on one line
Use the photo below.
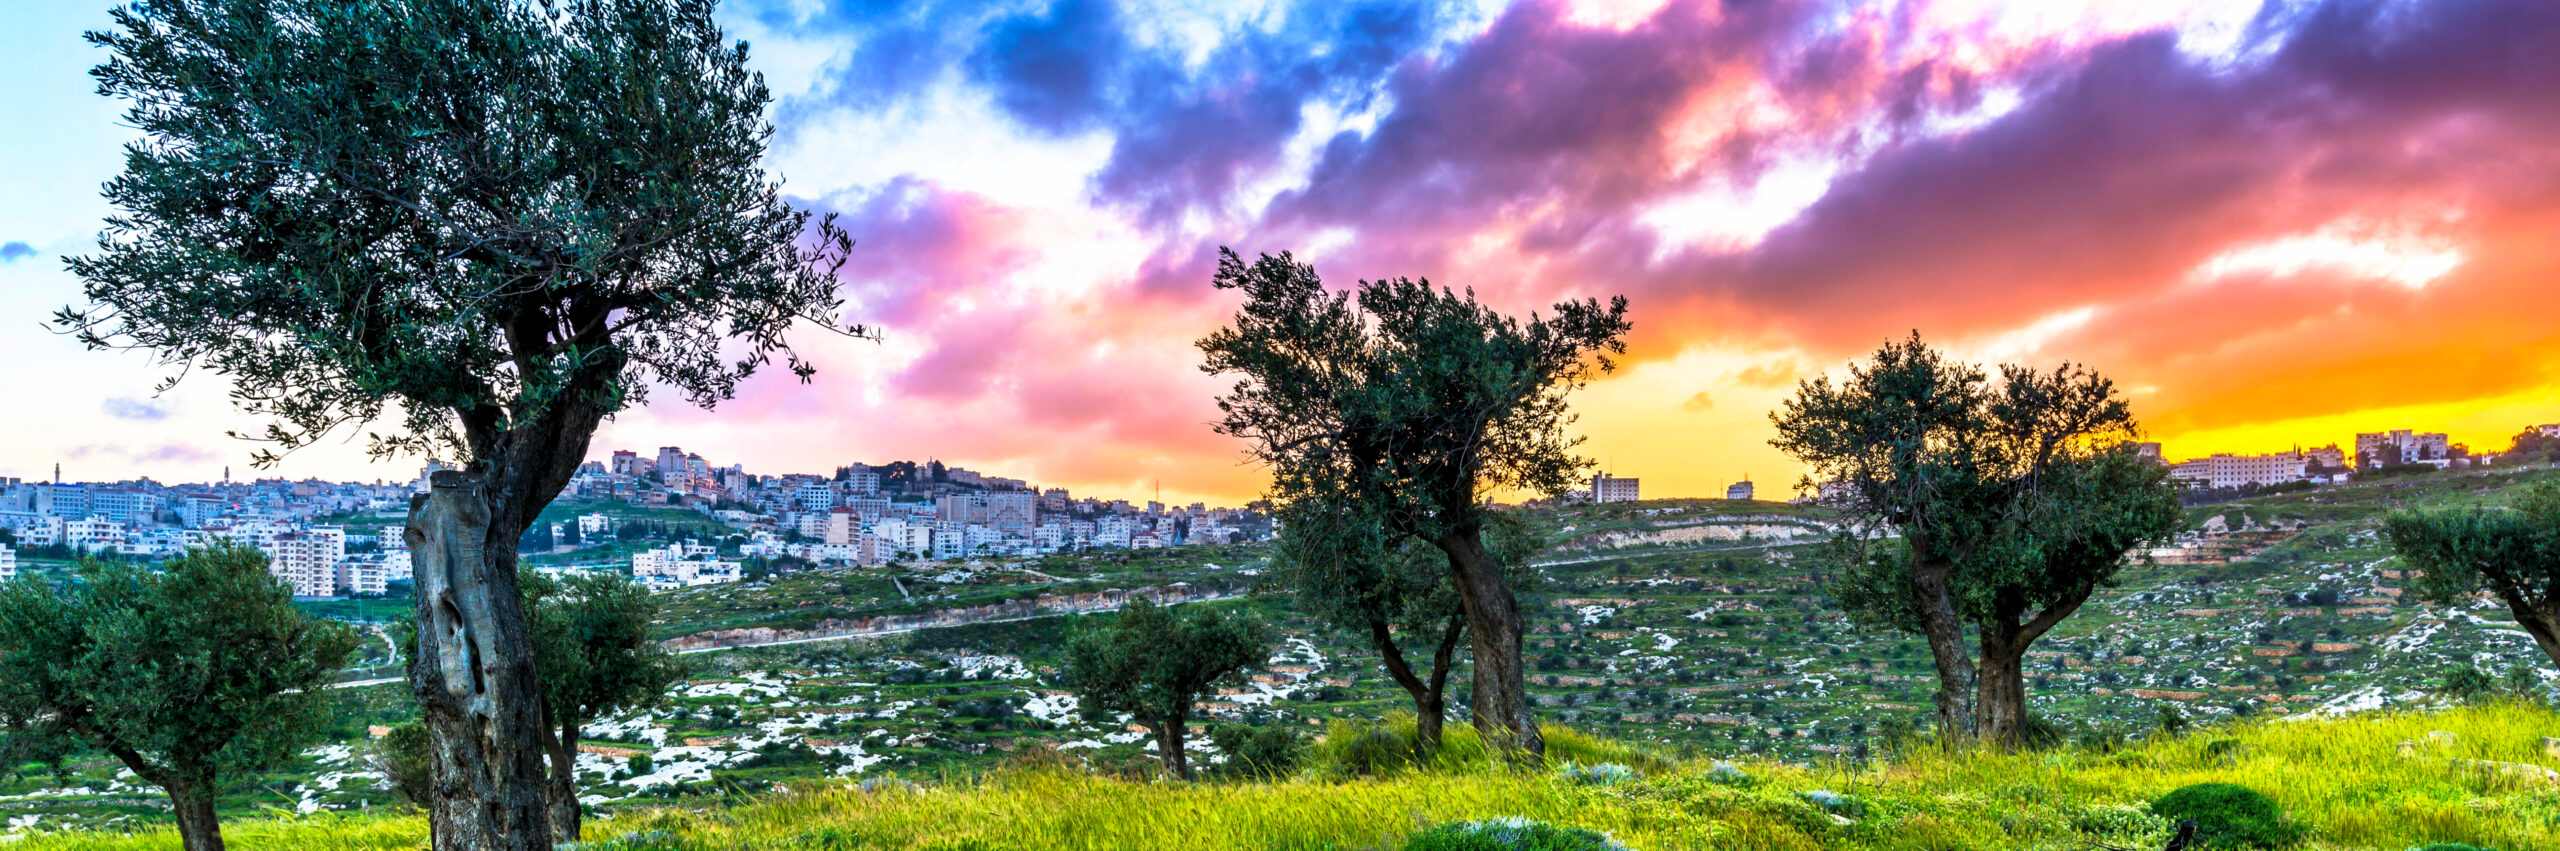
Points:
[(2274, 224)]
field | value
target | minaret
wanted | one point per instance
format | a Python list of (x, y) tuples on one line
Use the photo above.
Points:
[(57, 472)]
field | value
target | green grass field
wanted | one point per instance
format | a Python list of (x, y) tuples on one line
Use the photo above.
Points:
[(2345, 780)]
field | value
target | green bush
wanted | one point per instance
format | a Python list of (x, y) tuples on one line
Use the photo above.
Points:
[(2228, 815), (2449, 846), (1255, 753), (1365, 749), (1509, 834)]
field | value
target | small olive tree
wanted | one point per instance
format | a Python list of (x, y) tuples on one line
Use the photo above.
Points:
[(195, 676), (2511, 552), (591, 641), (492, 223), (1156, 663)]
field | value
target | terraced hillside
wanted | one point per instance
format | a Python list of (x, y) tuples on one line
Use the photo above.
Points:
[(1699, 626)]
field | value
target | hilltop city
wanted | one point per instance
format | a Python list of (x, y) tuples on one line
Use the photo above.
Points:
[(861, 514)]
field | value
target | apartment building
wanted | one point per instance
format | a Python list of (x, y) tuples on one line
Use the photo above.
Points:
[(1608, 488), (2402, 446), (2225, 470), (308, 559)]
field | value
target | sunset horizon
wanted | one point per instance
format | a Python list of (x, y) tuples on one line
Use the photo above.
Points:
[(2274, 225)]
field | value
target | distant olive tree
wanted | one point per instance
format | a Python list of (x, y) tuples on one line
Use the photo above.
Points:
[(2511, 552), (1959, 469), (1406, 405), (490, 223), (195, 676), (1156, 664), (2094, 507)]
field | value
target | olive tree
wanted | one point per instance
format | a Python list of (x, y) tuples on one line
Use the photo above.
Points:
[(1956, 467), (195, 676), (1408, 405), (1390, 588), (2094, 506), (482, 225), (1156, 664), (591, 642), (2511, 552)]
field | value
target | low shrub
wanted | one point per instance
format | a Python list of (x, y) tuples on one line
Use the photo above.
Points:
[(1728, 774), (647, 840), (1255, 753), (1601, 774), (1835, 803), (2229, 815), (1509, 834), (1361, 749)]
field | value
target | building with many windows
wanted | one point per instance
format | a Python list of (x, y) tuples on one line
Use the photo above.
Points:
[(2402, 446), (1738, 490), (308, 559), (8, 563), (1608, 488), (2225, 470)]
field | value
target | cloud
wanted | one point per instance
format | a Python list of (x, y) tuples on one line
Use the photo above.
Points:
[(2331, 206), (143, 410), (174, 453), (15, 251), (1052, 70)]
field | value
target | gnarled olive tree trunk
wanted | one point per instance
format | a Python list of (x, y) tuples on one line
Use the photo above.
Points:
[(1502, 711), (473, 673), (1934, 602)]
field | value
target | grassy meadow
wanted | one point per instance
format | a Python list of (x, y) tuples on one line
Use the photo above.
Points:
[(2346, 780)]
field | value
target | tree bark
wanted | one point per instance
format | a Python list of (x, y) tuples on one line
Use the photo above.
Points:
[(2000, 704), (1936, 606), (1430, 697), (566, 816), (1502, 711), (1169, 746), (473, 674), (2540, 621), (199, 827)]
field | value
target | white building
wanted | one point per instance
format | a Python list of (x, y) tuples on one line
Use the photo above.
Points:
[(683, 565), (1608, 488), (308, 560), (904, 538), (92, 534), (2225, 470), (843, 526), (590, 525), (1738, 490), (814, 496), (129, 506), (195, 511), (361, 577), (2374, 449), (8, 563)]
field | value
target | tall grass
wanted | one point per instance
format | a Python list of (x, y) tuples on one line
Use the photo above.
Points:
[(2344, 779)]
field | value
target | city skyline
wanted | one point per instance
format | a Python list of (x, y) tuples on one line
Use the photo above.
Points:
[(2276, 225)]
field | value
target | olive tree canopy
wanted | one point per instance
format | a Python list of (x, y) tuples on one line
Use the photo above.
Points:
[(476, 227), (1407, 405)]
